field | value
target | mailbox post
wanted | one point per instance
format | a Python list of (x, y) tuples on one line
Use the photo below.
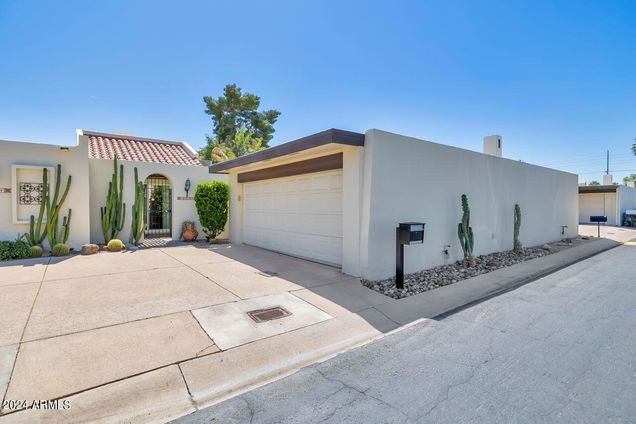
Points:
[(405, 233), (598, 219)]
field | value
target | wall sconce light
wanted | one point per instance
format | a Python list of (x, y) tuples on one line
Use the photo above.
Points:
[(187, 186), (65, 148)]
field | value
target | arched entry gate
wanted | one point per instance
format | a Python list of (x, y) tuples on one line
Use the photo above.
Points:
[(159, 195)]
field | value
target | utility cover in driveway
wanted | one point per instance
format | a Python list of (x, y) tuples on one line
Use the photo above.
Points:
[(229, 324), (270, 314)]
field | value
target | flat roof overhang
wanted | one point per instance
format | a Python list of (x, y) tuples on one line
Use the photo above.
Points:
[(598, 189), (331, 136)]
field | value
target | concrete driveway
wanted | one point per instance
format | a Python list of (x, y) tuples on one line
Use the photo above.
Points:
[(558, 350), (166, 322)]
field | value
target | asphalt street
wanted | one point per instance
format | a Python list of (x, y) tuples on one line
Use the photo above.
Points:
[(561, 349)]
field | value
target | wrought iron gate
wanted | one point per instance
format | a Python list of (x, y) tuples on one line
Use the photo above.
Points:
[(159, 195)]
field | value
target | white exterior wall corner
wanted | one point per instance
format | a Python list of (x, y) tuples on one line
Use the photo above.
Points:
[(626, 200), (352, 181), (236, 208), (408, 179), (101, 171), (74, 161)]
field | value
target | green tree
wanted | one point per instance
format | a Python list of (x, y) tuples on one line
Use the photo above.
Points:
[(238, 124), (594, 182), (629, 179), (242, 144)]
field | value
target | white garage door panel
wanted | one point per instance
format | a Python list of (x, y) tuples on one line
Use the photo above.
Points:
[(300, 215)]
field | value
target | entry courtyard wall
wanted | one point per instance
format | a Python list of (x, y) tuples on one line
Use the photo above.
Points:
[(409, 179), (29, 159), (183, 209)]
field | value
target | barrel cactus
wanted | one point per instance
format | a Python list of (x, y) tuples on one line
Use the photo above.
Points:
[(36, 252), (465, 234), (115, 245), (60, 249)]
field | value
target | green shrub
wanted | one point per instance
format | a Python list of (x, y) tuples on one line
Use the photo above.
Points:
[(211, 200), (36, 252), (13, 250), (60, 249), (115, 245)]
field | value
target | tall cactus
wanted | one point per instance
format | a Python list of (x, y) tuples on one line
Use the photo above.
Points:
[(517, 246), (35, 236), (53, 208), (139, 209), (114, 213), (465, 234)]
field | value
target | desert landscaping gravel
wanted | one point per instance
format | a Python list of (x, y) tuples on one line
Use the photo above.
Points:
[(444, 275)]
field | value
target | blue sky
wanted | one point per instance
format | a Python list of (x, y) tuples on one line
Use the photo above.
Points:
[(555, 79)]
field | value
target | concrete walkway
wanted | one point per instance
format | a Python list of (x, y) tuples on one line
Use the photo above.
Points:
[(558, 350), (620, 234), (96, 330)]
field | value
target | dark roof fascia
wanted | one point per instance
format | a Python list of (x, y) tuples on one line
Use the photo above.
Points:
[(315, 140), (598, 189)]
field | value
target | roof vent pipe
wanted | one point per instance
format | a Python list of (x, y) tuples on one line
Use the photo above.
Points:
[(492, 145)]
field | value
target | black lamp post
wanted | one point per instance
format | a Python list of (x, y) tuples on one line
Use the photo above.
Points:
[(187, 186)]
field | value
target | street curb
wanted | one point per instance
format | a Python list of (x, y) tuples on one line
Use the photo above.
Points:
[(527, 279), (444, 301)]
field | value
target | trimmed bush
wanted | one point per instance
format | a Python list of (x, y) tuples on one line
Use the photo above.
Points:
[(211, 200), (115, 245), (13, 250), (60, 249), (36, 252)]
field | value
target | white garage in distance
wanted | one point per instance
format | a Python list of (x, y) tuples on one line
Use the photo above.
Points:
[(605, 200)]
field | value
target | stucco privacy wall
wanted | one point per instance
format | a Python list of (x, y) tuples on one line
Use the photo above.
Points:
[(101, 171), (409, 179), (74, 162)]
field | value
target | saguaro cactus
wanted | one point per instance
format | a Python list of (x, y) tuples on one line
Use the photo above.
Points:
[(517, 246), (53, 208), (114, 213), (465, 234), (139, 209), (35, 236)]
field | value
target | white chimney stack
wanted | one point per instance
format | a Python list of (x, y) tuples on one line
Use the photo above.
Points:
[(607, 179), (492, 145)]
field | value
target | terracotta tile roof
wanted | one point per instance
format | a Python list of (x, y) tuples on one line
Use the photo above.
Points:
[(106, 146)]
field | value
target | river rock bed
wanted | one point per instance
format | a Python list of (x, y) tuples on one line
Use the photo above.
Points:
[(444, 275)]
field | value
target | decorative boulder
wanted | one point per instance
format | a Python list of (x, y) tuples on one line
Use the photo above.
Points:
[(89, 249)]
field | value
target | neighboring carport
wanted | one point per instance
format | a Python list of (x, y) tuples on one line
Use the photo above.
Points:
[(300, 198), (598, 200)]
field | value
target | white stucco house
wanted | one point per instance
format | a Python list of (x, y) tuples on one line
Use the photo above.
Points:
[(607, 200), (163, 165), (337, 196)]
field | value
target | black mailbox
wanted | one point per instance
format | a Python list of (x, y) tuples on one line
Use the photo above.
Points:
[(598, 219), (411, 232), (405, 233)]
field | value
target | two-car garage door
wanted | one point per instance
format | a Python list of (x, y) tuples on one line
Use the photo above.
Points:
[(299, 215)]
